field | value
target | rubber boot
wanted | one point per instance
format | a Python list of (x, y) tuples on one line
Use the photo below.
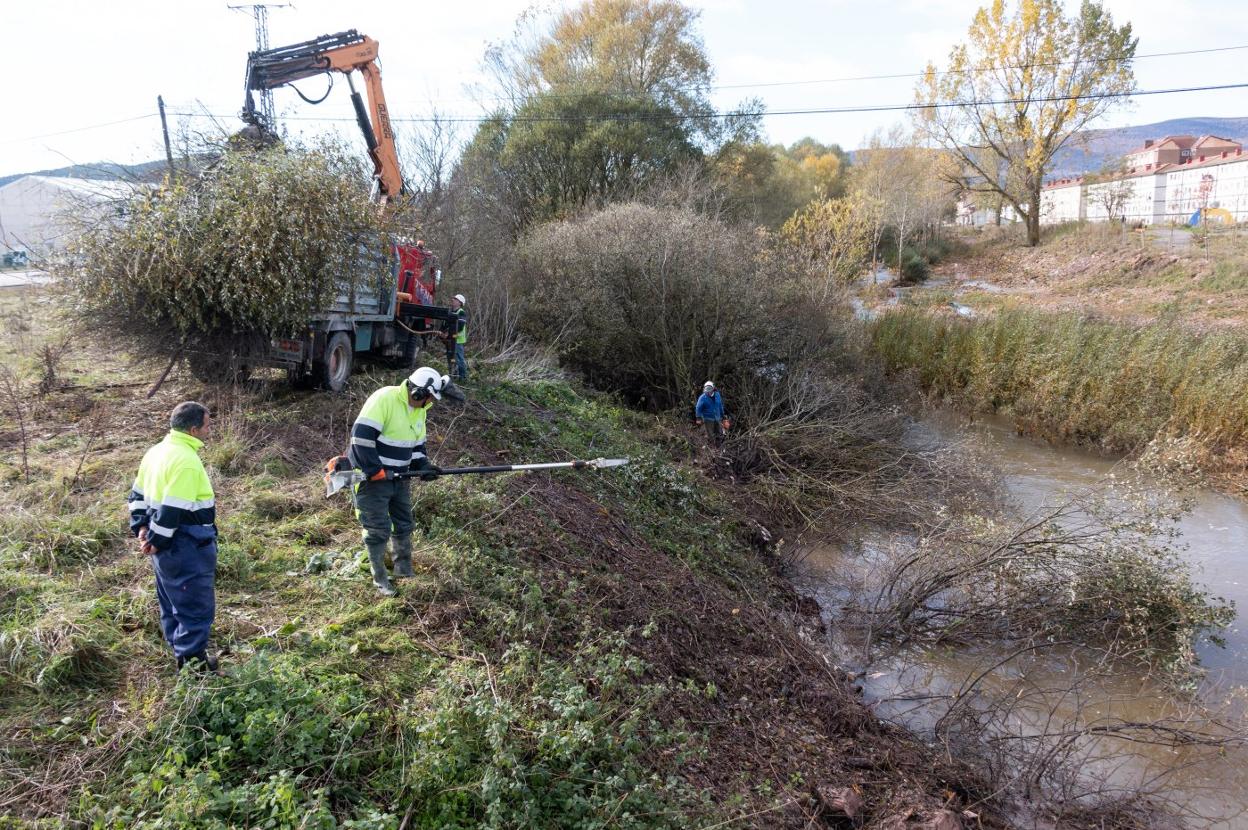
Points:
[(402, 556), (377, 559), (200, 662)]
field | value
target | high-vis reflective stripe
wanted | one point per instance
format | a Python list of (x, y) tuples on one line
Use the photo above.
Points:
[(369, 422), (394, 442), (395, 462), (172, 490), (186, 504), (363, 442)]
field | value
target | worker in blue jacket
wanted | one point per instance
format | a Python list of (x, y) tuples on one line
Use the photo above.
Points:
[(710, 413)]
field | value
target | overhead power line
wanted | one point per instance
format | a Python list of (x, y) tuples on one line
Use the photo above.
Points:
[(623, 116), (889, 77), (78, 129), (975, 69)]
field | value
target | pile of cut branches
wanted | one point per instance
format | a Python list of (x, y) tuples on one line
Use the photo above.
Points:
[(246, 251)]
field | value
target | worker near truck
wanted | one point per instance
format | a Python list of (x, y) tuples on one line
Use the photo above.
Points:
[(456, 336), (173, 513), (388, 437), (709, 412)]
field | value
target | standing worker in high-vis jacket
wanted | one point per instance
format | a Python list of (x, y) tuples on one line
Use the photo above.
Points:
[(388, 437), (457, 337), (173, 513)]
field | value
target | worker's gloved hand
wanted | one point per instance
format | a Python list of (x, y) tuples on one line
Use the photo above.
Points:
[(427, 471)]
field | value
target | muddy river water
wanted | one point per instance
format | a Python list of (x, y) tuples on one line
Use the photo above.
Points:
[(1215, 535)]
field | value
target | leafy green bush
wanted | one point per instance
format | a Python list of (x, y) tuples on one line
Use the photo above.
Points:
[(529, 744), (196, 800), (238, 751), (271, 717), (913, 266)]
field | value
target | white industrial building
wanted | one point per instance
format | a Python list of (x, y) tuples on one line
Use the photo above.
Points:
[(38, 213)]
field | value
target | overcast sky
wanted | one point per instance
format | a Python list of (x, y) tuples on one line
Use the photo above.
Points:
[(74, 65)]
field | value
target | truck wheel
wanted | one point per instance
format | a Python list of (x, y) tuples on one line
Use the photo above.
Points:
[(298, 378), (334, 368), (411, 351)]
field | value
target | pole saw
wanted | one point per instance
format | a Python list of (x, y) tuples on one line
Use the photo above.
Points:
[(340, 474)]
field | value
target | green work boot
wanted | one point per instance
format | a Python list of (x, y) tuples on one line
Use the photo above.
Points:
[(402, 556), (377, 559)]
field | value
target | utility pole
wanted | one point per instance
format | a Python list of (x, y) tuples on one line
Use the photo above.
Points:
[(260, 14), (164, 128)]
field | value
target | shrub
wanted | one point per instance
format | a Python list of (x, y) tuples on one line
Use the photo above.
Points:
[(1098, 571), (643, 300), (913, 266), (651, 301), (530, 744), (239, 751)]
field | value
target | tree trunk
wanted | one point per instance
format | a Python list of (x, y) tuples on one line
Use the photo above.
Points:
[(1033, 218)]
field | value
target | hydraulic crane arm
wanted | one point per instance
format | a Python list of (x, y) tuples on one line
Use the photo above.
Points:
[(344, 52)]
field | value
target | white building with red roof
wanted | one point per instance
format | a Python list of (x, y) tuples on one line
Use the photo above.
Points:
[(1216, 185), (1063, 200)]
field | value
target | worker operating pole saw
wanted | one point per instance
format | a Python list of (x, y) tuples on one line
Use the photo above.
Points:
[(387, 451)]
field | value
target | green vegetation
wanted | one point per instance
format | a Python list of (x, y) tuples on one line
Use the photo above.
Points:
[(1075, 379)]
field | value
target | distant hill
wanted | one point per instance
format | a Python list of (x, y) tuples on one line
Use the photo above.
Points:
[(1092, 150), (1085, 153), (145, 172)]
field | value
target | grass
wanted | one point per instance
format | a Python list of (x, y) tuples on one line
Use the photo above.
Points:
[(1134, 275), (1075, 379)]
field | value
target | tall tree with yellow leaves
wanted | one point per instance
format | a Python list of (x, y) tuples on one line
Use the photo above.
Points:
[(1027, 78)]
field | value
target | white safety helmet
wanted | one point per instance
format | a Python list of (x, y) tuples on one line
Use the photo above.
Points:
[(428, 380), (462, 299), (708, 387)]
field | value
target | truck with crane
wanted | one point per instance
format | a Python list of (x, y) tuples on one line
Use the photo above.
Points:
[(388, 318)]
